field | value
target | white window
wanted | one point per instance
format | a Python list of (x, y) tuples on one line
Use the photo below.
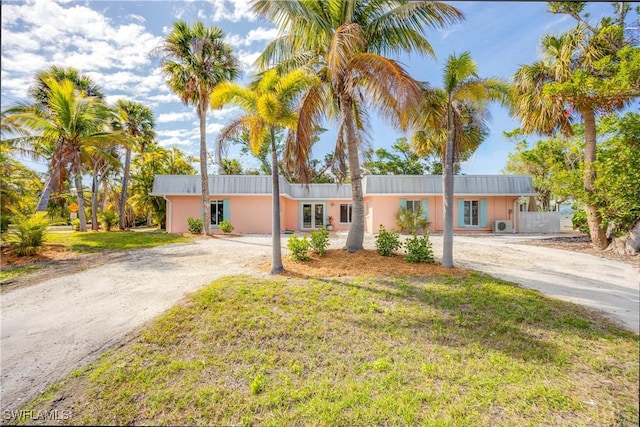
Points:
[(217, 212), (346, 211), (471, 212), (414, 205)]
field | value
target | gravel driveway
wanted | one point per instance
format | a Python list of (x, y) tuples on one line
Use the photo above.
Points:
[(56, 326)]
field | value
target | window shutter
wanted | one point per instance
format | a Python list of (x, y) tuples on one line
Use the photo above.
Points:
[(483, 212), (460, 213), (226, 210), (403, 203), (425, 208)]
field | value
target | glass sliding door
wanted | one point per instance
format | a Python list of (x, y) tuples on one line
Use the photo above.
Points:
[(312, 215)]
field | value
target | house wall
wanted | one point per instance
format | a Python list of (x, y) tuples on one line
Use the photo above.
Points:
[(289, 214), (382, 210), (497, 208), (179, 208), (250, 214)]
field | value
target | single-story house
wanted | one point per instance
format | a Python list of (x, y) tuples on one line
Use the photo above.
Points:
[(481, 202)]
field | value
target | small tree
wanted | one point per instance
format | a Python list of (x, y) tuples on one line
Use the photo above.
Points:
[(411, 221), (387, 241), (109, 218), (29, 235)]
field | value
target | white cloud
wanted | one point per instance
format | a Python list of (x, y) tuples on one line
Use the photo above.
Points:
[(259, 34), (174, 117), (232, 10)]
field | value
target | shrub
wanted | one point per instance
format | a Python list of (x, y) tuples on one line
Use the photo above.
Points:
[(195, 225), (109, 218), (320, 240), (4, 223), (298, 248), (411, 221), (226, 227), (387, 242), (75, 224), (579, 222), (419, 249), (29, 235)]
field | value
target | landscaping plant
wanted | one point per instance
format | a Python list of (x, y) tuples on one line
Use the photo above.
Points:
[(387, 241), (29, 234), (226, 227), (298, 248), (109, 218), (195, 225), (320, 241), (419, 249), (411, 221)]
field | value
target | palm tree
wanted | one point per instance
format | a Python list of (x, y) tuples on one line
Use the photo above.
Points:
[(270, 103), (67, 127), (454, 122), (579, 75), (196, 59), (136, 121), (345, 43)]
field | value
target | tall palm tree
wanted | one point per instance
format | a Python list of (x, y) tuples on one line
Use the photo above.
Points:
[(136, 121), (345, 43), (454, 122), (195, 59), (67, 127), (270, 104), (580, 75)]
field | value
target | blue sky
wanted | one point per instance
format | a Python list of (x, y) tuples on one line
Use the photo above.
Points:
[(110, 41)]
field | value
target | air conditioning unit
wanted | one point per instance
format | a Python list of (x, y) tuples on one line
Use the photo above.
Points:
[(502, 226)]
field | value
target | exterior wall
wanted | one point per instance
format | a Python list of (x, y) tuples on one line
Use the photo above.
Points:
[(179, 208), (539, 222), (497, 208), (252, 214), (249, 214)]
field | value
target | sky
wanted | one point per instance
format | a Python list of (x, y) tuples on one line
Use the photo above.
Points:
[(111, 41)]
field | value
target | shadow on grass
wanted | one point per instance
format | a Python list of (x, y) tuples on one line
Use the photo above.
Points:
[(488, 312)]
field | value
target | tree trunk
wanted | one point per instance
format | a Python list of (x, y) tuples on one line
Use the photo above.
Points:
[(204, 176), (43, 202), (276, 256), (123, 193), (94, 200), (447, 196), (594, 219), (355, 238), (81, 215)]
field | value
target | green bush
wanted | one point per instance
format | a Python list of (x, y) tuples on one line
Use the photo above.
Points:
[(579, 222), (75, 224), (29, 235), (419, 249), (411, 221), (320, 240), (4, 223), (226, 227), (299, 248), (109, 218), (387, 242), (195, 225)]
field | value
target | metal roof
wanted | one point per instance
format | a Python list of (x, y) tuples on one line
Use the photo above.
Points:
[(501, 185)]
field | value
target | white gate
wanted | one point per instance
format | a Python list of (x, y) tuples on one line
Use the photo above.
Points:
[(539, 222)]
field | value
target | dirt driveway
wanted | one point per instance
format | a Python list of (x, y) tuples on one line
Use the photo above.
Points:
[(55, 326)]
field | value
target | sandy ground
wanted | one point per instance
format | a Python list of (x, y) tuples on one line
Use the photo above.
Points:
[(60, 324)]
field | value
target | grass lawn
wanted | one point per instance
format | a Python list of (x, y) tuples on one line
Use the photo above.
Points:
[(113, 240), (468, 350)]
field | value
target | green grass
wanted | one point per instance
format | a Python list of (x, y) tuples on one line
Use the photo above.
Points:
[(90, 242), (12, 272), (472, 351)]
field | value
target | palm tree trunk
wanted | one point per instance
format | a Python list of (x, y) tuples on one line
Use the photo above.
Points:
[(94, 199), (123, 193), (276, 256), (81, 215), (204, 177), (43, 202), (594, 219), (447, 199), (355, 238)]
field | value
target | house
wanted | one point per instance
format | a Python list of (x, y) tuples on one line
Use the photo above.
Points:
[(481, 202)]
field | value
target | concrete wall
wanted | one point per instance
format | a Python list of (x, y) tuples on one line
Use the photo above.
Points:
[(539, 222)]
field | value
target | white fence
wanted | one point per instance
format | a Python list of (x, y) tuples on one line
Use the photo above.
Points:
[(539, 222)]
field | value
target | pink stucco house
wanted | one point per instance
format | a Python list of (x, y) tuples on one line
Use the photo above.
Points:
[(482, 202)]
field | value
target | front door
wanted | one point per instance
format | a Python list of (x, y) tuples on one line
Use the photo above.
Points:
[(312, 215)]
